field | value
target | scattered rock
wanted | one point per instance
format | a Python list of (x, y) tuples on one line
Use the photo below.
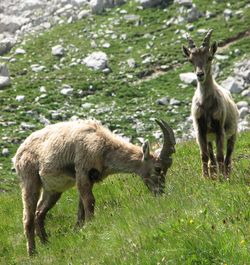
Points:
[(243, 112), (174, 102), (20, 51), (27, 126), (6, 45), (20, 98), (228, 13), (87, 105), (66, 90), (242, 104), (58, 50), (149, 3), (232, 85), (188, 78), (5, 152), (37, 68), (96, 60), (97, 6), (186, 3), (163, 101), (246, 93), (4, 76), (131, 63)]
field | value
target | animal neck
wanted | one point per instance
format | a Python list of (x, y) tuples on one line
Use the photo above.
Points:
[(125, 158), (206, 87)]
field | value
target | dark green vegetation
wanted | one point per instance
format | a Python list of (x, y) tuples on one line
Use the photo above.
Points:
[(197, 221)]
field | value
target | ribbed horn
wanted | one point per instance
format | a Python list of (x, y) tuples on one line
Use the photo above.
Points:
[(191, 43), (206, 40), (168, 140)]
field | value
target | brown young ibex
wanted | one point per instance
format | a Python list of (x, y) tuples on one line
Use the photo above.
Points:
[(59, 156), (214, 112)]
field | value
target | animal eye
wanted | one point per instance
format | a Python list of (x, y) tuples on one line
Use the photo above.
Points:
[(157, 169), (210, 58)]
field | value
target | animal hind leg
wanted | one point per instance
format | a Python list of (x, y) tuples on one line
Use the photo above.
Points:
[(213, 163), (81, 213), (46, 202), (228, 160), (30, 195)]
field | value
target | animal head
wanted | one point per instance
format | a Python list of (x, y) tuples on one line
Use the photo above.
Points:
[(155, 165), (201, 57)]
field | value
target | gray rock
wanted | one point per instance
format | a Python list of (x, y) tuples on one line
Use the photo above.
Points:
[(58, 50), (96, 60), (186, 3), (246, 93), (149, 3), (4, 76), (242, 104), (43, 120), (97, 6), (5, 152), (20, 98), (228, 13), (243, 112), (131, 18), (20, 51), (37, 68), (27, 126), (174, 102), (232, 85), (6, 45), (11, 23), (131, 63), (66, 90), (188, 78), (163, 101), (193, 14), (87, 105), (83, 14)]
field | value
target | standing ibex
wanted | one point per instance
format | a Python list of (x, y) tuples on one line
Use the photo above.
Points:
[(214, 112), (82, 152)]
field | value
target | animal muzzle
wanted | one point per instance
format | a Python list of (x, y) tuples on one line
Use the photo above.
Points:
[(200, 75)]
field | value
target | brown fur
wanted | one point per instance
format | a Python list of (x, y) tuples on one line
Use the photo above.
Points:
[(214, 112), (82, 152)]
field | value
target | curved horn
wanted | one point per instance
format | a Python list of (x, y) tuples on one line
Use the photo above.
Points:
[(169, 140), (191, 43), (206, 40)]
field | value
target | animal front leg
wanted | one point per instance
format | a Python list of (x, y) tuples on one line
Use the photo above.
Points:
[(230, 148), (220, 153), (85, 186), (213, 163), (81, 213), (202, 139), (47, 201)]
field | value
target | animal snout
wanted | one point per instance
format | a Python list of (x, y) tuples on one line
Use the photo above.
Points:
[(200, 74)]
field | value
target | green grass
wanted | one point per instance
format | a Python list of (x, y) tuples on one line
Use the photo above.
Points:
[(197, 221)]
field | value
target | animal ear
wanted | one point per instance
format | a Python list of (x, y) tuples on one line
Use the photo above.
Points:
[(213, 48), (186, 51), (146, 151)]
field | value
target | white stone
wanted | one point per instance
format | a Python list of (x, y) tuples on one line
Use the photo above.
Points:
[(187, 3), (243, 112), (11, 23), (4, 76), (5, 152), (149, 3), (6, 45), (96, 60), (87, 105), (58, 50), (131, 62), (20, 98), (66, 90), (232, 85), (97, 6), (188, 78), (242, 104), (83, 14), (37, 68), (20, 51), (174, 102), (246, 93)]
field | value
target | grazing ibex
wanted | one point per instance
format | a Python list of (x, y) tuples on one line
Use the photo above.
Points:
[(214, 112), (59, 156)]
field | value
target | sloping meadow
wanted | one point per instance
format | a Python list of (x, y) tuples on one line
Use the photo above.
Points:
[(197, 221)]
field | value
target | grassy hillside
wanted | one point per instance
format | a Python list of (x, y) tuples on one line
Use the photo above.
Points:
[(197, 221)]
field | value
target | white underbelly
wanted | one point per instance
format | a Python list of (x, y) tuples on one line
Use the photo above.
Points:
[(57, 183)]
